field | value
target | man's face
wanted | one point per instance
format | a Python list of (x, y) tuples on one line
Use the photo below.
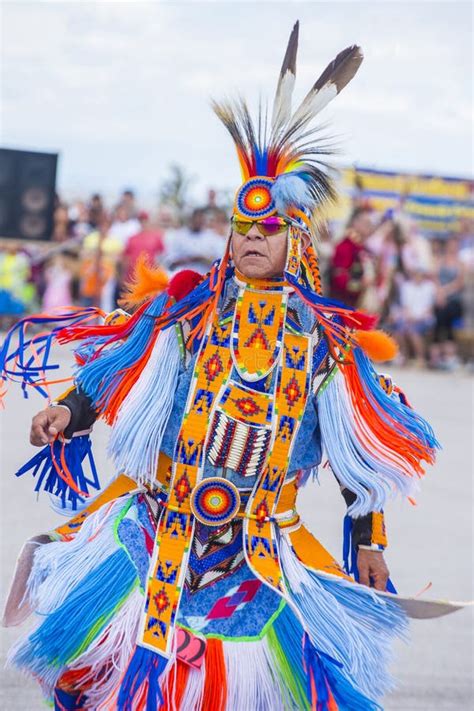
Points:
[(259, 257), (363, 224), (197, 221)]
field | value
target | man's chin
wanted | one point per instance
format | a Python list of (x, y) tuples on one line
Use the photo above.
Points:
[(255, 272)]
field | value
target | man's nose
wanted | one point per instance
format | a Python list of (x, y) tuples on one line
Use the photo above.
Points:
[(253, 233)]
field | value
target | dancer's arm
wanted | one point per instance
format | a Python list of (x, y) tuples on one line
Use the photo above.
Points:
[(72, 412)]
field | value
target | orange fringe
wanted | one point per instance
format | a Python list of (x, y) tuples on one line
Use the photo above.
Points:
[(147, 282), (63, 470), (378, 345), (215, 685), (175, 686), (120, 392), (395, 442), (71, 680)]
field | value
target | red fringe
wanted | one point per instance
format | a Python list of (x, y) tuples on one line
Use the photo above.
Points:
[(175, 687), (116, 332), (215, 685)]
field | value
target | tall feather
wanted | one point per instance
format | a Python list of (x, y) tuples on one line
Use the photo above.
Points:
[(291, 146), (286, 83), (332, 81)]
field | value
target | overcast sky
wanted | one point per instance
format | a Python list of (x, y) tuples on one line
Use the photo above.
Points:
[(121, 89)]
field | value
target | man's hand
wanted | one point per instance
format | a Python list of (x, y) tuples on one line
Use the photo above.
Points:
[(372, 565), (47, 424)]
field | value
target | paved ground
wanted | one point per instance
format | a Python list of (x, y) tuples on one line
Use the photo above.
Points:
[(432, 542)]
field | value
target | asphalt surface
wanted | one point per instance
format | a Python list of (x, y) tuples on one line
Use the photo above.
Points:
[(432, 542)]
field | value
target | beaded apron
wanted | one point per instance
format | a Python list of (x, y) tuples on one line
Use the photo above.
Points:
[(254, 343)]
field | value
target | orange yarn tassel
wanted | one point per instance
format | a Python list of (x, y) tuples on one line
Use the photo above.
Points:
[(215, 685), (147, 282), (378, 345)]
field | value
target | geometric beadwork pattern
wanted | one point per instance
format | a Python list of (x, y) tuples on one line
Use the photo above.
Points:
[(215, 501), (254, 199), (175, 528), (240, 432), (246, 405), (293, 259), (221, 348), (292, 389), (258, 331), (215, 554), (238, 446)]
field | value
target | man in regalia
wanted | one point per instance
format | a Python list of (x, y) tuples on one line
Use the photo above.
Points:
[(190, 582)]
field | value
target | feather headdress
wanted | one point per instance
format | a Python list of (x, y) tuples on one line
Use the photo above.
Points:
[(283, 161)]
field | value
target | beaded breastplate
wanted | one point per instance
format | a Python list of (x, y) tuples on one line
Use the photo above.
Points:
[(246, 400)]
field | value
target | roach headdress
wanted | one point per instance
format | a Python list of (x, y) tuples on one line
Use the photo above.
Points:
[(283, 160)]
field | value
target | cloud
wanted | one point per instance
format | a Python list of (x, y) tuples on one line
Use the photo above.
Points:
[(122, 88)]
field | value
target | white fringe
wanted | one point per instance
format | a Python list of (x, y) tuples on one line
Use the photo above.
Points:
[(58, 567), (192, 698), (251, 680), (142, 418), (347, 621), (369, 470)]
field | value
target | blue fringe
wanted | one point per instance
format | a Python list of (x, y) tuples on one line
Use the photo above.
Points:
[(346, 621), (76, 452), (347, 697), (145, 666), (63, 701), (349, 554), (99, 377), (289, 633), (315, 672), (314, 298), (67, 631), (325, 670), (17, 366)]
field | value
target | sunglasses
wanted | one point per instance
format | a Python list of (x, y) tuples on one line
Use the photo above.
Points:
[(266, 229)]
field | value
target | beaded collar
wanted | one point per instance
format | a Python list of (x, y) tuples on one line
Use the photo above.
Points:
[(270, 284)]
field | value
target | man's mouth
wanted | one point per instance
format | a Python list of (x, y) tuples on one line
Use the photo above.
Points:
[(253, 253)]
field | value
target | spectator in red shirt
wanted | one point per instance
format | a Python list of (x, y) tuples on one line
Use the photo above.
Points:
[(148, 241), (348, 271)]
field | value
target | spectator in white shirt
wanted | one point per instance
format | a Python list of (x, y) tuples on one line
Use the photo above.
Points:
[(123, 227), (195, 247), (414, 316)]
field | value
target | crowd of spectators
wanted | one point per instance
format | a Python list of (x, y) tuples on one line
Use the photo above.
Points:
[(420, 288)]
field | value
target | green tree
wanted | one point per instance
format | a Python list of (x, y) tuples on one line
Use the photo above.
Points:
[(174, 190)]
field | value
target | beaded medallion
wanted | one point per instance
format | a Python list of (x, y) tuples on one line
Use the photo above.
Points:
[(215, 501)]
